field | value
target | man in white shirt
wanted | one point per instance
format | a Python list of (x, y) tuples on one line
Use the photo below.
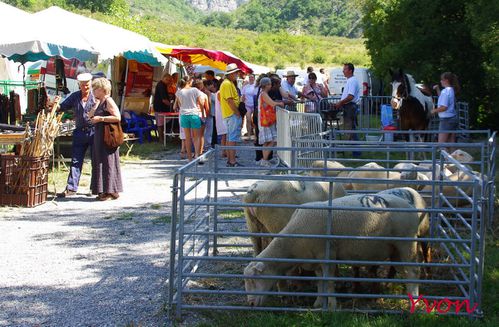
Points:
[(288, 85), (349, 99)]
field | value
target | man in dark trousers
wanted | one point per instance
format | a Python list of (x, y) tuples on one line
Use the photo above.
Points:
[(81, 102)]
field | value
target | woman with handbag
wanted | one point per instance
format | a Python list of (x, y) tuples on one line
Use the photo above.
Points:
[(267, 120), (313, 92), (105, 115)]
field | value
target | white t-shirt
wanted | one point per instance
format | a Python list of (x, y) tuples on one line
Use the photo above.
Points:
[(447, 98), (352, 87), (249, 91), (188, 101)]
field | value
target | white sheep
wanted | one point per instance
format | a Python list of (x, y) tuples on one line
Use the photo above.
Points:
[(273, 220), (333, 168), (451, 192), (358, 175), (344, 222)]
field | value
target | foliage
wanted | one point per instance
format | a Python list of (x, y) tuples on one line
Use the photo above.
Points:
[(165, 10), (429, 37), (334, 17)]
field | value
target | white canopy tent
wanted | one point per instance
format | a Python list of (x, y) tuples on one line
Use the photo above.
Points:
[(26, 38), (109, 40)]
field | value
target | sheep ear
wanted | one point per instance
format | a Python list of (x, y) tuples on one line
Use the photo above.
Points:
[(259, 266)]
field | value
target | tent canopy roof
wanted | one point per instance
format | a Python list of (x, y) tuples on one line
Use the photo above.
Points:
[(199, 56), (25, 38), (108, 40)]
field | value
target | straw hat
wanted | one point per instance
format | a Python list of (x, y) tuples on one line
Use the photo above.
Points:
[(290, 73), (231, 68), (85, 77)]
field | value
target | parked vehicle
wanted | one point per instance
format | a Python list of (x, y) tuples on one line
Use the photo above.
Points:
[(369, 84)]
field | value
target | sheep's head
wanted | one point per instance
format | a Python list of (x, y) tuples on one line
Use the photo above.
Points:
[(462, 156), (256, 285)]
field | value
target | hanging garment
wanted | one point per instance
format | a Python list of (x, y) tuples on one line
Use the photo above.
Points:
[(60, 76)]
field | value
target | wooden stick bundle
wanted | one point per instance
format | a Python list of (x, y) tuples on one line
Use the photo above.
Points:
[(40, 144)]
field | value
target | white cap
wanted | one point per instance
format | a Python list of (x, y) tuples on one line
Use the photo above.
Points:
[(84, 77)]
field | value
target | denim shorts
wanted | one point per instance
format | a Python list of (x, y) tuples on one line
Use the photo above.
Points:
[(190, 121), (448, 124), (234, 124)]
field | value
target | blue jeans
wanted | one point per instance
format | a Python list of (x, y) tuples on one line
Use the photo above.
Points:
[(82, 140)]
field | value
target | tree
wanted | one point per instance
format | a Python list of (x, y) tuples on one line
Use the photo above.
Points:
[(426, 38)]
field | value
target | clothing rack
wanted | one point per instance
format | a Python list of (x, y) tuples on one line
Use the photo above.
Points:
[(8, 85)]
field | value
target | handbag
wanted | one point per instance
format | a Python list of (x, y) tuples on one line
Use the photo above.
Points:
[(113, 135), (242, 109)]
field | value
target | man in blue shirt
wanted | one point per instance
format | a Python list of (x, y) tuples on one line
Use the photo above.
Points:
[(81, 102)]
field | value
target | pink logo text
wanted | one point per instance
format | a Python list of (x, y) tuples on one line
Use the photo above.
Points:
[(442, 306)]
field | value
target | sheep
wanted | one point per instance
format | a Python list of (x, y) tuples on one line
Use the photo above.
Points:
[(333, 168), (450, 192), (344, 222), (273, 220), (360, 174)]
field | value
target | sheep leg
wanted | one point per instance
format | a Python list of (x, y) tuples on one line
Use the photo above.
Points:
[(425, 248), (254, 226), (329, 286), (409, 253)]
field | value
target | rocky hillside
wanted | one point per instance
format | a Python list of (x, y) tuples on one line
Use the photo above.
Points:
[(216, 5)]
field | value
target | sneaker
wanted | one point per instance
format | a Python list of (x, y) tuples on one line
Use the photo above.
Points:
[(236, 164), (67, 193)]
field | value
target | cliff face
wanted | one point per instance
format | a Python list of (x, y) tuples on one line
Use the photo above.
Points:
[(217, 5)]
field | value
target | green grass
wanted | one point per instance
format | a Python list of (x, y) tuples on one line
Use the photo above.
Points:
[(490, 306), (156, 206), (125, 216), (230, 214), (165, 219)]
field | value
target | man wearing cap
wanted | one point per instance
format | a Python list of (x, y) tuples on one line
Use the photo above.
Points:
[(81, 102), (288, 85), (229, 103)]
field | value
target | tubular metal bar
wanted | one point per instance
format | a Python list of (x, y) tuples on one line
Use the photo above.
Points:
[(331, 279), (215, 200), (286, 309), (324, 207), (317, 294), (173, 235), (180, 260), (319, 261), (466, 265), (335, 237)]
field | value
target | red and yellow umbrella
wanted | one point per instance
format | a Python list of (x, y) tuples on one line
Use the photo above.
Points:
[(199, 56)]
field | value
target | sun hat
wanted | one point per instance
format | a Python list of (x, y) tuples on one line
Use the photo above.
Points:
[(84, 77), (231, 68), (290, 73)]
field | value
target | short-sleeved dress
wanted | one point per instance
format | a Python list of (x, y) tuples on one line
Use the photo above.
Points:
[(106, 172)]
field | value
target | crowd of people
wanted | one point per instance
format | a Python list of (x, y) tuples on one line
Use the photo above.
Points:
[(210, 108), (210, 113)]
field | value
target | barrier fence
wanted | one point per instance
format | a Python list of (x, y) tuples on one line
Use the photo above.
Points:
[(211, 244)]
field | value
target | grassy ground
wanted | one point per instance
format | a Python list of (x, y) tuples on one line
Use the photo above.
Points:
[(489, 298)]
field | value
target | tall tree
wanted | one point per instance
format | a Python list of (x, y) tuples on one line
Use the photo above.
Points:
[(426, 38)]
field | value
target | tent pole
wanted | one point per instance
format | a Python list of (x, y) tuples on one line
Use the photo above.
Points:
[(124, 87)]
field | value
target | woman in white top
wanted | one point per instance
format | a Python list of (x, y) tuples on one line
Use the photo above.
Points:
[(248, 93), (188, 102), (446, 107)]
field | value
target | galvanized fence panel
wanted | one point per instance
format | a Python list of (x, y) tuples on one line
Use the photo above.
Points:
[(292, 125), (212, 244), (369, 115)]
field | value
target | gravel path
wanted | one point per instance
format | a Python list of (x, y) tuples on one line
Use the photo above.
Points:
[(81, 262)]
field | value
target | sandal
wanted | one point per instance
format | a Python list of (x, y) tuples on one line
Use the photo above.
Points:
[(183, 155)]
